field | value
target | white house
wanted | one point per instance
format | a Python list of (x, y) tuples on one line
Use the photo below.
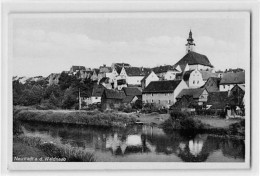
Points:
[(148, 78), (163, 93), (193, 79), (96, 95), (171, 74), (230, 79), (133, 75)]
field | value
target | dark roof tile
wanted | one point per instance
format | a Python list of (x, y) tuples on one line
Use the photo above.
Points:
[(162, 86)]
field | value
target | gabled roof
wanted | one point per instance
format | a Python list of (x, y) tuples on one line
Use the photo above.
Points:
[(114, 94), (132, 91), (193, 58), (218, 100), (195, 93), (163, 69), (96, 70), (128, 99), (75, 68), (233, 78), (162, 86), (207, 74), (118, 69), (137, 71), (240, 86), (98, 90), (211, 88)]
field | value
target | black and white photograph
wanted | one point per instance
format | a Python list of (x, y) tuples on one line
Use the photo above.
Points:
[(119, 87)]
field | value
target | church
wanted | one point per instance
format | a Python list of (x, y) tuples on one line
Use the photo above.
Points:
[(193, 60)]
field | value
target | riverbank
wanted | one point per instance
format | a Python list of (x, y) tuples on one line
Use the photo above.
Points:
[(45, 149), (90, 118), (231, 128)]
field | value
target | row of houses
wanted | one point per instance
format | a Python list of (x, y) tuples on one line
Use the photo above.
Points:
[(190, 80)]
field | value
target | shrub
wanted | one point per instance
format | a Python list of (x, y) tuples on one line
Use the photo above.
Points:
[(180, 121), (237, 128)]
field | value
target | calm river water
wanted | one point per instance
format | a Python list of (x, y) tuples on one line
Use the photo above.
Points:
[(143, 143)]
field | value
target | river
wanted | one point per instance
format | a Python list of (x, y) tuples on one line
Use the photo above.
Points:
[(142, 143)]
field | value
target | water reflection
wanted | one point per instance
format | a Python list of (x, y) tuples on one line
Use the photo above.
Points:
[(145, 143)]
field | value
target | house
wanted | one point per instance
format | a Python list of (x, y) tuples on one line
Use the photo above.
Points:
[(218, 100), (132, 94), (171, 74), (112, 99), (185, 103), (166, 70), (133, 75), (75, 69), (236, 95), (148, 78), (163, 93), (199, 95), (94, 76), (84, 74), (96, 95), (193, 78), (212, 84), (53, 78), (104, 71), (230, 79), (193, 59)]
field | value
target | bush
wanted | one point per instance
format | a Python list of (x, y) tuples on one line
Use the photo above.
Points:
[(237, 128), (180, 121)]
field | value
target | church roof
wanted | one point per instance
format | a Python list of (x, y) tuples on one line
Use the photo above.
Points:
[(193, 58)]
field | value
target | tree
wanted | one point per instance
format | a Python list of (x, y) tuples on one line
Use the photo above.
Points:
[(69, 99)]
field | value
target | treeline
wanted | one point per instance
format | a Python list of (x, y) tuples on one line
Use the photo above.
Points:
[(63, 95)]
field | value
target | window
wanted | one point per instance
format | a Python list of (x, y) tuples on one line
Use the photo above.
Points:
[(96, 97), (159, 101), (169, 101), (152, 94), (193, 82), (152, 101), (198, 82), (165, 94)]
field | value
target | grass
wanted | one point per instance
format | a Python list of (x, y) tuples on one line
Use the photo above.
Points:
[(36, 146), (92, 118)]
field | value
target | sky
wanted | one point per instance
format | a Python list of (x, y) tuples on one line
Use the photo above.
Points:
[(42, 44)]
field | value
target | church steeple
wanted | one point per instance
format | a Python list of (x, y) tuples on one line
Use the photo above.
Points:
[(190, 45)]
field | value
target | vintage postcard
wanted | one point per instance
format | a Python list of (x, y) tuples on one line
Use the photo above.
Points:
[(106, 89)]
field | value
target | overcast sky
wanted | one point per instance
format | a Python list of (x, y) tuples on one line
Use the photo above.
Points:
[(50, 43)]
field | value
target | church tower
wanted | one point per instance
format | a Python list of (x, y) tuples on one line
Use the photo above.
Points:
[(190, 45)]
